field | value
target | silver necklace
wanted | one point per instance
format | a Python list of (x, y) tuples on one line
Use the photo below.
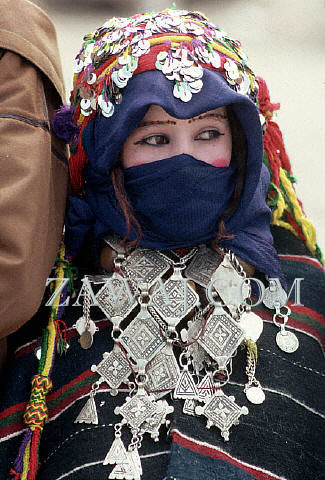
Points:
[(158, 300)]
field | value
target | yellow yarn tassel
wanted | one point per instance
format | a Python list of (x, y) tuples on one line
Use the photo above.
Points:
[(307, 227)]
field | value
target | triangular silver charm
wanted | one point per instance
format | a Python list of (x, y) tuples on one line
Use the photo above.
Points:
[(135, 457), (189, 407), (185, 386), (205, 388), (125, 471), (117, 453), (89, 413)]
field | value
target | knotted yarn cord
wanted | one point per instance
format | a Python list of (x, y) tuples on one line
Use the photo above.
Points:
[(287, 209), (26, 463)]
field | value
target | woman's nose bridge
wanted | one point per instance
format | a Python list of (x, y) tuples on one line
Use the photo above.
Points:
[(184, 141)]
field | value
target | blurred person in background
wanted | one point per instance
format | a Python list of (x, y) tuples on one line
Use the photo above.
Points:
[(34, 174)]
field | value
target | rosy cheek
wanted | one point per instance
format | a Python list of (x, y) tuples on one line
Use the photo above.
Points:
[(136, 164), (220, 162)]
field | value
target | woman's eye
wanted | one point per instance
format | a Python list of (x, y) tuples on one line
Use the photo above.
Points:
[(154, 140), (209, 135)]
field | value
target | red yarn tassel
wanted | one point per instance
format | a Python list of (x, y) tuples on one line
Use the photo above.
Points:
[(273, 139), (33, 462), (78, 160), (15, 475), (76, 166)]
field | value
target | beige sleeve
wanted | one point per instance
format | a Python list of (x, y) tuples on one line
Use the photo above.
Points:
[(33, 184)]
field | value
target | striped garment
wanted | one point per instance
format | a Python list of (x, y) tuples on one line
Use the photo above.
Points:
[(281, 439)]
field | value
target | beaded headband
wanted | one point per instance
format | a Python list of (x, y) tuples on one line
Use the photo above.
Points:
[(176, 42)]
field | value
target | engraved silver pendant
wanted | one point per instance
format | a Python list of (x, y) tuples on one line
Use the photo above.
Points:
[(142, 338), (88, 413), (153, 424), (222, 412), (163, 372), (189, 406), (221, 336), (128, 463), (145, 265), (137, 409), (135, 457), (205, 388), (126, 470), (115, 298), (196, 352), (114, 241), (176, 300), (274, 295), (202, 266), (185, 387), (287, 341), (232, 287), (116, 454), (114, 368)]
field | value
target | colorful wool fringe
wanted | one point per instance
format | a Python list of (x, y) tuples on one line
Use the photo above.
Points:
[(282, 198), (26, 463)]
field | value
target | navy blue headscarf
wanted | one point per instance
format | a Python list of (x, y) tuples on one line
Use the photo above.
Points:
[(99, 212)]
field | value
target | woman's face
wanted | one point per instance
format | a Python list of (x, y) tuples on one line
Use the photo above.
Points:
[(206, 137)]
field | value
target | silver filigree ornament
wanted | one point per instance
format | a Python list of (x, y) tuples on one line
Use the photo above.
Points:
[(142, 412), (185, 387), (176, 300), (162, 372), (88, 414), (199, 356), (222, 412), (137, 409), (114, 369), (145, 265), (202, 266), (221, 337), (115, 299), (230, 284), (127, 462), (142, 338), (153, 424)]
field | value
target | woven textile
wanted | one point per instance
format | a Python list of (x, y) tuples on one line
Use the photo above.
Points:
[(280, 439)]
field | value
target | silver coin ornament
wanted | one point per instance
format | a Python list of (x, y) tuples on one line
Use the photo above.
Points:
[(274, 297), (287, 341), (86, 340), (255, 395), (252, 325)]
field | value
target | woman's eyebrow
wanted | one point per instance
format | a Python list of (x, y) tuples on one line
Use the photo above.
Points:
[(157, 122), (208, 115)]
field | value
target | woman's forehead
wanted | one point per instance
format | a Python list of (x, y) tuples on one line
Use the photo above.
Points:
[(156, 112)]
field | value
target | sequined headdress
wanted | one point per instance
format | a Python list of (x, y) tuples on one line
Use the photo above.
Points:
[(176, 42)]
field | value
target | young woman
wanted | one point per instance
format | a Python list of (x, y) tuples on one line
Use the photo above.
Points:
[(168, 222)]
